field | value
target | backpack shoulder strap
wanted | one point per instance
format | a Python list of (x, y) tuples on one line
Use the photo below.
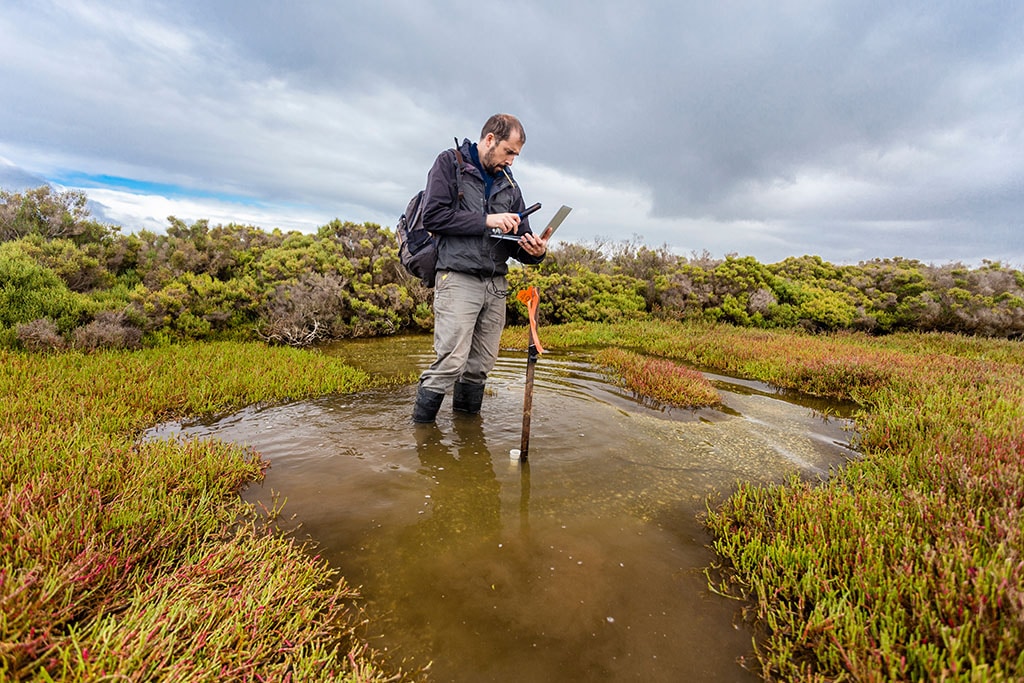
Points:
[(459, 161)]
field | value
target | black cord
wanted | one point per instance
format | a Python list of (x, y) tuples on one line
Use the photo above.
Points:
[(491, 287)]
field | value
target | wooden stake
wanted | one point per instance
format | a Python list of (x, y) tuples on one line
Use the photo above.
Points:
[(531, 363)]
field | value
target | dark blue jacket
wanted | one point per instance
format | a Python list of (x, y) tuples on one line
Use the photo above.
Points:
[(464, 243)]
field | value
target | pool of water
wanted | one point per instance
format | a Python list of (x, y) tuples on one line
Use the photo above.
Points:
[(586, 563)]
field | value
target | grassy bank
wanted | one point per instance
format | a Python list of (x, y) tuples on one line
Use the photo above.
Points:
[(908, 565), (138, 561), (659, 381)]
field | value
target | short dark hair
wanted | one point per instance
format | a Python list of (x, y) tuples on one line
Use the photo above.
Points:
[(503, 125)]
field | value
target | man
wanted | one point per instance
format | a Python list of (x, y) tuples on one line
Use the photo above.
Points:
[(464, 212)]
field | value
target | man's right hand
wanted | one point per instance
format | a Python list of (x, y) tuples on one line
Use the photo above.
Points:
[(505, 222)]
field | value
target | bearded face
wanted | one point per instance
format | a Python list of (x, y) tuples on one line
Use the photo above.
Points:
[(497, 155)]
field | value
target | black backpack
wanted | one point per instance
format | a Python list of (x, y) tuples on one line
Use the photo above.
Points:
[(417, 247)]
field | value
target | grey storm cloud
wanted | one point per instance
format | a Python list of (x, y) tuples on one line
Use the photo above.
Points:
[(848, 129)]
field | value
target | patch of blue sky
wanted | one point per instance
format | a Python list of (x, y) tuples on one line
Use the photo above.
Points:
[(146, 187)]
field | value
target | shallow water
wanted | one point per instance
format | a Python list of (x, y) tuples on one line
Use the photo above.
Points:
[(586, 563)]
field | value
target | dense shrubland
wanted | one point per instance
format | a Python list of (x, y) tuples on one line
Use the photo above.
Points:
[(61, 271)]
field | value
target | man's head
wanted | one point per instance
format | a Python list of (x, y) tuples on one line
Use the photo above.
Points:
[(501, 140)]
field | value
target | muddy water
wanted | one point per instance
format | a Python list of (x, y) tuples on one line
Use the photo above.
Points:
[(585, 564)]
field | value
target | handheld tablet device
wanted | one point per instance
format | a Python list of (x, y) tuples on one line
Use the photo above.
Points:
[(549, 229)]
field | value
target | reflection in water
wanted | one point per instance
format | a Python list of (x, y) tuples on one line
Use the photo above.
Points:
[(460, 523), (466, 502), (584, 564)]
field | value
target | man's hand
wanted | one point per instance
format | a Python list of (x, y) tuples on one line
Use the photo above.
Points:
[(533, 245), (506, 222)]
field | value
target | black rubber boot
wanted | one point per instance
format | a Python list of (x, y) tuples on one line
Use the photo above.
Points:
[(427, 404), (467, 398)]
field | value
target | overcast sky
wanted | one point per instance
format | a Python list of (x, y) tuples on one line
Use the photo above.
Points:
[(849, 129)]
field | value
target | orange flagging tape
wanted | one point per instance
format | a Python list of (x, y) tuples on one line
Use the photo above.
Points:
[(531, 298)]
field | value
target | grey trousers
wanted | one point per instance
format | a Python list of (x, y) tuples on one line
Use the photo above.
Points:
[(469, 315)]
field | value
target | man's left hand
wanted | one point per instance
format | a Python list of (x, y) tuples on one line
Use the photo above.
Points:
[(533, 245)]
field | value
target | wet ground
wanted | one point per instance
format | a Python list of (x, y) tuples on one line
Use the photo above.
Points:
[(586, 563)]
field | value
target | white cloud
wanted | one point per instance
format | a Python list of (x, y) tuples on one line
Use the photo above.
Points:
[(150, 212), (794, 130)]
